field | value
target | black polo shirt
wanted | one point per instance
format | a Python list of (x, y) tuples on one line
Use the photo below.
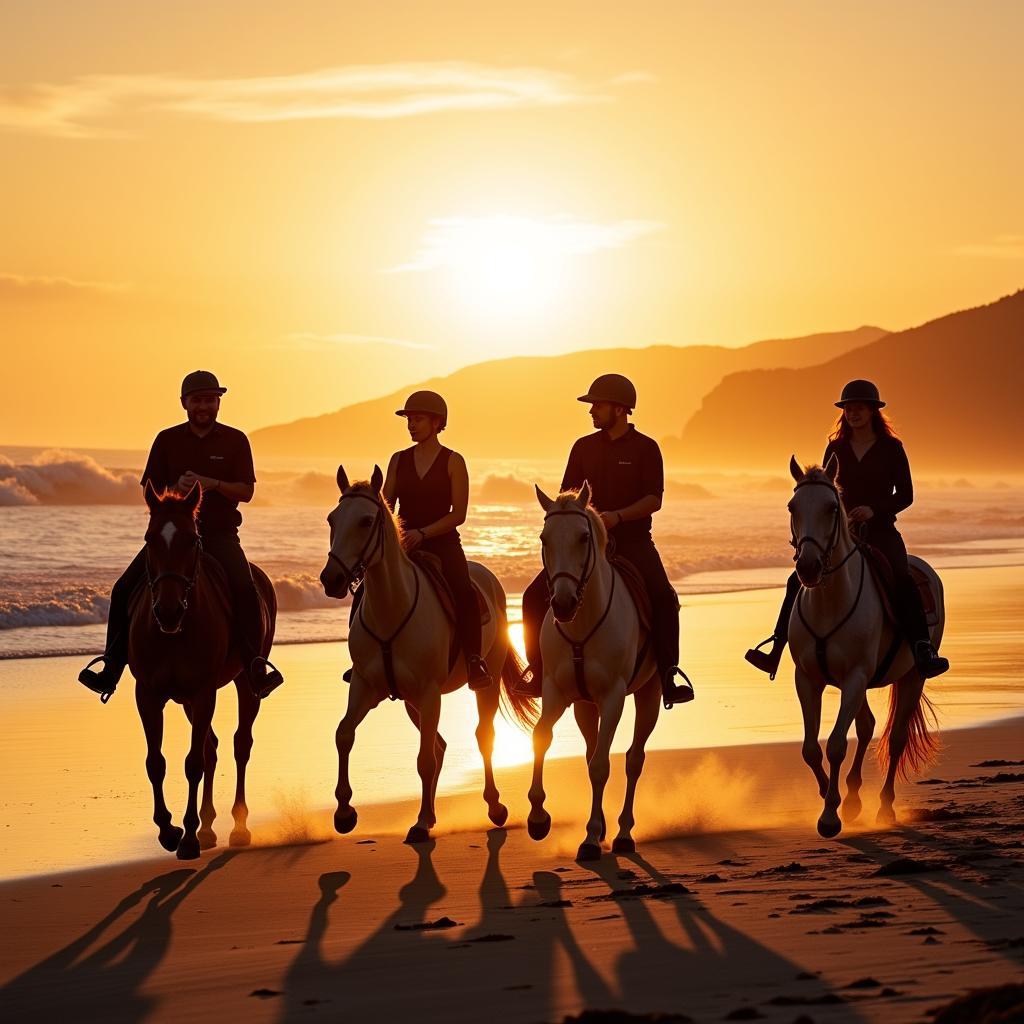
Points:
[(620, 472), (224, 454), (881, 480)]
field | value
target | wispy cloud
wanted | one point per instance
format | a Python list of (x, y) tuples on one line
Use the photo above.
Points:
[(99, 105), (28, 286), (456, 241), (1002, 247), (312, 340)]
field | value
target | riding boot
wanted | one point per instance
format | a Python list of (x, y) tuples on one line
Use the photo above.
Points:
[(768, 661), (915, 626), (479, 674), (675, 693), (104, 682), (535, 605), (264, 676)]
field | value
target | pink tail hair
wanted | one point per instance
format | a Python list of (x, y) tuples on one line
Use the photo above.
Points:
[(922, 745)]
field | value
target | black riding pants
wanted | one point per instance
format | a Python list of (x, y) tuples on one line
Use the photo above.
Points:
[(226, 548), (664, 604), (448, 548), (905, 595)]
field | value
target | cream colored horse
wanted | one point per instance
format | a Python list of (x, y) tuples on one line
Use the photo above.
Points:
[(841, 636), (400, 642), (590, 606)]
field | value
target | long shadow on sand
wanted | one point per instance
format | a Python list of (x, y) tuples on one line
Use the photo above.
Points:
[(85, 985), (657, 975)]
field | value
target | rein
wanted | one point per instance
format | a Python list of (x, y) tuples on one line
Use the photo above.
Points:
[(189, 581), (833, 538), (589, 567), (356, 577)]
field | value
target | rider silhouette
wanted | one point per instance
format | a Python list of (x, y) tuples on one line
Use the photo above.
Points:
[(627, 479), (875, 483), (219, 458)]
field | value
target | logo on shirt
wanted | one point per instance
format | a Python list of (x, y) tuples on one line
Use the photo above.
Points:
[(220, 457), (621, 463)]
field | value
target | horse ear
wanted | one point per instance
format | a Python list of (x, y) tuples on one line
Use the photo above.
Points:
[(545, 501), (342, 479), (194, 497), (794, 468), (832, 467), (584, 498), (377, 480), (152, 498)]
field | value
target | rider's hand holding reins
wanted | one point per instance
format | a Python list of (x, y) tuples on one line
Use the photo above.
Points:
[(860, 514)]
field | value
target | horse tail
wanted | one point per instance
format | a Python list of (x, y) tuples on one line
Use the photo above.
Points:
[(516, 705), (922, 745)]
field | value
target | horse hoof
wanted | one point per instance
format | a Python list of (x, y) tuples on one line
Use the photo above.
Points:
[(828, 828), (207, 839), (188, 849), (539, 829), (345, 821), (240, 837), (588, 851), (170, 838), (851, 810), (885, 817), (417, 835), (623, 846), (499, 815)]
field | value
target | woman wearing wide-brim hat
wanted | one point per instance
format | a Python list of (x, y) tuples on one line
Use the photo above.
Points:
[(875, 482), (430, 484)]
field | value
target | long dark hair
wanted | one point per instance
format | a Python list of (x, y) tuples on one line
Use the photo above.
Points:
[(880, 423)]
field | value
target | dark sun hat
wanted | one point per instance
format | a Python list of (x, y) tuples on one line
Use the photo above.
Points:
[(200, 380), (861, 391)]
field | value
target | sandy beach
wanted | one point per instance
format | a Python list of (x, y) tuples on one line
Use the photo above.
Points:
[(755, 921)]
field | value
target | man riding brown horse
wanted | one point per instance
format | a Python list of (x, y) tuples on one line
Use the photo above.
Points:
[(625, 471), (219, 459)]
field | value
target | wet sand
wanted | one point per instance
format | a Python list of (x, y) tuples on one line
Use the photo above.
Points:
[(713, 919)]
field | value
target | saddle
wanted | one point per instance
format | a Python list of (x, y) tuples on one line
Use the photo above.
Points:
[(431, 566), (637, 589), (882, 574)]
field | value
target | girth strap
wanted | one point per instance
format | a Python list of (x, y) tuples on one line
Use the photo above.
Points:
[(385, 643)]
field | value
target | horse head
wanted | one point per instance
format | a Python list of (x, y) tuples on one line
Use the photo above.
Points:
[(817, 519), (173, 553), (357, 532), (572, 540)]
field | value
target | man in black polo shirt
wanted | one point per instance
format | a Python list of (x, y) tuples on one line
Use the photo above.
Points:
[(627, 479), (219, 458)]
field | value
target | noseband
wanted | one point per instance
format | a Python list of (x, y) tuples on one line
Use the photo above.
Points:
[(189, 581), (589, 563), (354, 575)]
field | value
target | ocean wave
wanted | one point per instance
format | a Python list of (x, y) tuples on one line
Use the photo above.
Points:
[(300, 592), (82, 606), (57, 477)]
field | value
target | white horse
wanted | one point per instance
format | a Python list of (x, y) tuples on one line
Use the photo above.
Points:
[(400, 642), (841, 636), (591, 641)]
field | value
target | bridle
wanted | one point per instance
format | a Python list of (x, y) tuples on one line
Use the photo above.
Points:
[(826, 550), (589, 562), (189, 581), (354, 575)]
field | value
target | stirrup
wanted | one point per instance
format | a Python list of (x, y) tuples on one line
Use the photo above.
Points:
[(271, 680), (931, 664), (91, 680), (765, 661), (676, 693), (482, 681)]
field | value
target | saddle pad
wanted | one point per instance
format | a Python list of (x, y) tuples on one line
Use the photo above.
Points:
[(431, 566), (881, 572), (630, 575)]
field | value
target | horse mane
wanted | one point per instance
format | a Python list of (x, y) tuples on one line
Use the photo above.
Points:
[(170, 497), (365, 487), (571, 498)]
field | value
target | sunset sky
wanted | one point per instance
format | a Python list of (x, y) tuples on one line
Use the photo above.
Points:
[(325, 201)]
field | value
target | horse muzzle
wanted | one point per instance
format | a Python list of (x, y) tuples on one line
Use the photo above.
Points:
[(564, 607), (334, 582), (170, 624), (810, 570)]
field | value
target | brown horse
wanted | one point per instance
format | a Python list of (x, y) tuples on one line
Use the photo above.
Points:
[(182, 647)]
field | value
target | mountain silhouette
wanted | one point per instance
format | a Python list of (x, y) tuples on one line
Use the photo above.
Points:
[(951, 386), (525, 407)]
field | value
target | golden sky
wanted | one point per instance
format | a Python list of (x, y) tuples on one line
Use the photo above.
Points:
[(325, 201)]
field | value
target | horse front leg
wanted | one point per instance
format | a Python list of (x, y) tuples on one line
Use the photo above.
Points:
[(248, 709), (439, 750), (207, 812), (360, 702), (611, 712), (809, 693), (648, 706), (426, 764), (151, 712), (865, 723), (201, 717), (553, 705), (854, 689), (487, 707)]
